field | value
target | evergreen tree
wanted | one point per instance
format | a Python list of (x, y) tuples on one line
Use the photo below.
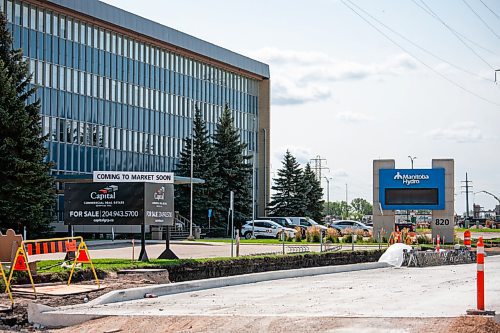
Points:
[(27, 189), (313, 194), (287, 199), (234, 169), (205, 196)]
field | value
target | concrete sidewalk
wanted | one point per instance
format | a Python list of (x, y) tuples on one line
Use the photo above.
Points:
[(72, 315)]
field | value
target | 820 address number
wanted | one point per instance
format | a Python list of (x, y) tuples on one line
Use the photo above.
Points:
[(442, 222)]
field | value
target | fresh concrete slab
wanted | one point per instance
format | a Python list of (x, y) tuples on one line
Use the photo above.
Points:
[(440, 291), (57, 289), (47, 316)]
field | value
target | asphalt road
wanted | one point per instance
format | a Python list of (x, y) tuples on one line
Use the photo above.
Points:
[(442, 291)]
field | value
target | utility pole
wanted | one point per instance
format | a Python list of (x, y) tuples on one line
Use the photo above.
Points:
[(318, 167), (346, 203), (467, 191)]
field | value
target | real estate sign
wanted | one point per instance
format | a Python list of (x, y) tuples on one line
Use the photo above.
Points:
[(119, 203)]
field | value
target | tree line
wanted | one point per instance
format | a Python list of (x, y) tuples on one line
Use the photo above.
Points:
[(358, 208), (218, 160), (297, 191)]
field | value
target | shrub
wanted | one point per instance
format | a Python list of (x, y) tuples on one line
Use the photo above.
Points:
[(423, 239), (332, 235), (347, 238), (359, 236), (298, 234), (313, 234)]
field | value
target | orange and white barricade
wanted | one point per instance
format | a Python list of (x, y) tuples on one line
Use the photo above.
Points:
[(51, 245)]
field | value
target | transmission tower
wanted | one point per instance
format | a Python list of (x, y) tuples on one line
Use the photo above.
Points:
[(317, 166), (468, 189)]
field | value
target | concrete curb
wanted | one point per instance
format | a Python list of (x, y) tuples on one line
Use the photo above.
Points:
[(70, 315)]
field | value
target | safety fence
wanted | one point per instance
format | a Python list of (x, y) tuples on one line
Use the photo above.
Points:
[(416, 258), (73, 246)]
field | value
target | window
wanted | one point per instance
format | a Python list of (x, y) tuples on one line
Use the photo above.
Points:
[(62, 30), (17, 14), (48, 22), (76, 30), (40, 20), (9, 11), (32, 18), (55, 25)]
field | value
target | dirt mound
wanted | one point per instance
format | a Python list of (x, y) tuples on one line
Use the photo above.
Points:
[(474, 324)]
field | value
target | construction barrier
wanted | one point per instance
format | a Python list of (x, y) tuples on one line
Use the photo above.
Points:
[(7, 289), (52, 245), (480, 274), (467, 241)]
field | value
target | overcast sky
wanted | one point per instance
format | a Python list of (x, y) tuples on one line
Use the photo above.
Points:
[(344, 91)]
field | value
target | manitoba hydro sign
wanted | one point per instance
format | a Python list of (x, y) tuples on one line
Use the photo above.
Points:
[(121, 198)]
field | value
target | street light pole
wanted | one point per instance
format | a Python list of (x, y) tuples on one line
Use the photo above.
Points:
[(412, 158), (407, 211), (191, 237), (328, 195), (253, 177)]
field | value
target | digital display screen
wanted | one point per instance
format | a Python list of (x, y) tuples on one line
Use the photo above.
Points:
[(411, 196)]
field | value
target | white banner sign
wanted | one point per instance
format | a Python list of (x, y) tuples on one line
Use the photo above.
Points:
[(133, 177)]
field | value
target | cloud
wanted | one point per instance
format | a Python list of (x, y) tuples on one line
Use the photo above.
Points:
[(300, 77), (301, 154), (352, 117), (462, 132), (339, 173)]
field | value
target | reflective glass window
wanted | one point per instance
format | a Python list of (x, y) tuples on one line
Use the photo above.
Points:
[(17, 14), (32, 18)]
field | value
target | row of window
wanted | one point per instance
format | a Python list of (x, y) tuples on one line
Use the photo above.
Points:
[(60, 104), (79, 82), (82, 133), (88, 134), (31, 17), (70, 158)]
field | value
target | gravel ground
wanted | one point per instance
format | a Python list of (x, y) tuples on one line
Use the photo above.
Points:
[(242, 324)]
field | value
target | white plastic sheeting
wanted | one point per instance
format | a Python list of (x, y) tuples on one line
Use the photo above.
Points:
[(394, 254)]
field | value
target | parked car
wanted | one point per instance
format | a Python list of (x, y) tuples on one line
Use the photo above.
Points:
[(265, 228), (341, 225), (283, 221), (304, 223)]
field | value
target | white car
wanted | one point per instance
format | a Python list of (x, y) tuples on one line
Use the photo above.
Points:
[(265, 228)]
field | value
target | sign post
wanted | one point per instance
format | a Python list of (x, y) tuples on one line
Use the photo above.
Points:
[(231, 207)]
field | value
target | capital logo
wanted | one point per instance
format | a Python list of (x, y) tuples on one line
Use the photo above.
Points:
[(108, 192), (160, 193)]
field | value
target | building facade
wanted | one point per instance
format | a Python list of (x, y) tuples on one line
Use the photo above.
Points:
[(118, 91)]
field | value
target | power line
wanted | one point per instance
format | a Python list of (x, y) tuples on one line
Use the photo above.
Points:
[(418, 46), (435, 16), (481, 19), (418, 59), (491, 10), (457, 32)]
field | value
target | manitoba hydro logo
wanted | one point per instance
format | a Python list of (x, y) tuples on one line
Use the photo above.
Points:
[(410, 179), (109, 192)]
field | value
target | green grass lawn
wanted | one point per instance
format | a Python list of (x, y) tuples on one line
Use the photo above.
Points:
[(477, 230), (427, 230), (269, 241)]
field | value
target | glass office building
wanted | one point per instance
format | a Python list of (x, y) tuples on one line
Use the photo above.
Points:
[(118, 91)]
